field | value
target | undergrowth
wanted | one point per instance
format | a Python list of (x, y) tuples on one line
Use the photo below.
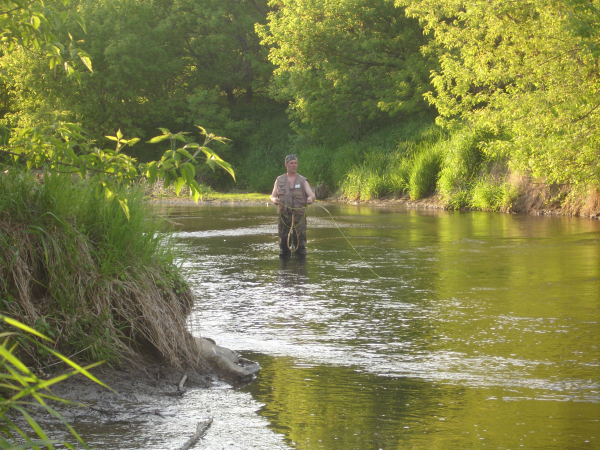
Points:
[(75, 268)]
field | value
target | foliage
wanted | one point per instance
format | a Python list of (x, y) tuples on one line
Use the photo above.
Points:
[(31, 25), (219, 41), (345, 65), (76, 268), (19, 382), (464, 161), (424, 174), (173, 64), (526, 68), (63, 148), (493, 195), (265, 150)]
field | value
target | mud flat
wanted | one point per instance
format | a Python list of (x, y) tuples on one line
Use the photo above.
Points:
[(151, 411)]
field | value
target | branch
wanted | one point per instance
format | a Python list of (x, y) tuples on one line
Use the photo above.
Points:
[(200, 430), (58, 162), (10, 10), (587, 113)]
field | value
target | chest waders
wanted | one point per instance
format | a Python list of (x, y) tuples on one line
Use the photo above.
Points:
[(293, 229), (292, 216)]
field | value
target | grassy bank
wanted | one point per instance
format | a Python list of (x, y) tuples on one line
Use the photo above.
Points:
[(416, 160), (73, 267)]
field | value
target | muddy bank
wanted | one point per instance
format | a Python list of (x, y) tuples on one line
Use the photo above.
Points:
[(537, 205), (153, 409)]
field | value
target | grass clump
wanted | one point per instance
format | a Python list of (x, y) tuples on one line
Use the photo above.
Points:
[(493, 195), (424, 173), (405, 161), (74, 267)]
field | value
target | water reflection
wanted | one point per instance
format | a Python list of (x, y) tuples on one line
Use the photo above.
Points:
[(482, 330)]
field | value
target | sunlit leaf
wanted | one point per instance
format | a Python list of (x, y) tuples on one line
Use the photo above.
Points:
[(179, 183), (156, 139)]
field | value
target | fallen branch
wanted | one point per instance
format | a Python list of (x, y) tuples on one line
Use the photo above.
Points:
[(200, 430)]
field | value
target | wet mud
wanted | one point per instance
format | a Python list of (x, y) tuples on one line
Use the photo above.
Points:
[(149, 410)]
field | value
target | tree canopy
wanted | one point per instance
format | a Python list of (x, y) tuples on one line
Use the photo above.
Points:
[(524, 72), (528, 69), (346, 63)]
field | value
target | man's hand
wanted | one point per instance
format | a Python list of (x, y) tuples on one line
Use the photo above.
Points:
[(310, 200), (275, 200)]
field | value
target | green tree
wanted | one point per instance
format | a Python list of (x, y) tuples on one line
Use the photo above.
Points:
[(219, 41), (527, 68), (346, 64), (174, 64), (31, 25)]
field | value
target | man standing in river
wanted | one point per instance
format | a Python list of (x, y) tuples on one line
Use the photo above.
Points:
[(292, 193)]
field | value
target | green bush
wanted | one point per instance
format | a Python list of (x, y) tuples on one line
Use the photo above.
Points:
[(463, 161), (314, 162)]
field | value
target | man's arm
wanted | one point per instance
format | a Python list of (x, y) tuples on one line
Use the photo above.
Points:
[(310, 195), (274, 197)]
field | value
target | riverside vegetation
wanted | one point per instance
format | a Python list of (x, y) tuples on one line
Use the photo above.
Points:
[(490, 105)]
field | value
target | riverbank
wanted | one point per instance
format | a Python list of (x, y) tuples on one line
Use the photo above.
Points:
[(152, 410), (537, 201)]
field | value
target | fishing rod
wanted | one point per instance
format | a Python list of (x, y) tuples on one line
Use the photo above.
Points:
[(292, 229)]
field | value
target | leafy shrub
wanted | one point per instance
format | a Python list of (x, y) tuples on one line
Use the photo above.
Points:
[(463, 160)]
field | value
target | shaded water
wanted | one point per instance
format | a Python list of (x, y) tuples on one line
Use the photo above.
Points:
[(482, 332)]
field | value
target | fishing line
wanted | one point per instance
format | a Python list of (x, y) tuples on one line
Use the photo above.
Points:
[(338, 227), (355, 251)]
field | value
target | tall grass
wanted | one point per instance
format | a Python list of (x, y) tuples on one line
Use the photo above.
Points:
[(424, 173), (73, 266), (415, 158), (493, 195), (405, 160), (20, 386)]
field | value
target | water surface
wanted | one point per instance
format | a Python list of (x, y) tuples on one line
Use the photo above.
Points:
[(481, 332)]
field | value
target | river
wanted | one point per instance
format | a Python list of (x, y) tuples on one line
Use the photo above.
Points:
[(438, 330)]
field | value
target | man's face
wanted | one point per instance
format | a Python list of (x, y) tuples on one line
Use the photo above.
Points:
[(292, 166)]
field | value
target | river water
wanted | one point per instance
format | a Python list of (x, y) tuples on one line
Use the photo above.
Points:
[(478, 330)]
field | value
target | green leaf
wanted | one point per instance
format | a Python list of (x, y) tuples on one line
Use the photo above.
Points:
[(33, 424), (185, 153), (87, 61), (77, 367), (124, 207), (152, 173), (36, 22), (22, 326), (16, 362), (190, 170), (79, 20), (73, 155), (179, 183), (156, 139)]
